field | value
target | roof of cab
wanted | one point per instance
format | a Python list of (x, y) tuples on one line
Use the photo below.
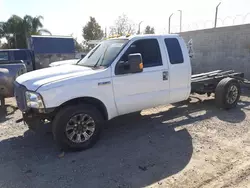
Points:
[(130, 37), (153, 35)]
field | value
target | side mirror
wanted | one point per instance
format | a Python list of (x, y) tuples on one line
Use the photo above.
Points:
[(133, 65)]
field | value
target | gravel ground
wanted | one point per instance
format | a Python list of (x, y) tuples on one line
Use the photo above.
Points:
[(181, 145)]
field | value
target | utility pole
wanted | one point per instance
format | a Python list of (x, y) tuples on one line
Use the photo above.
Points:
[(139, 28), (169, 22), (216, 15), (180, 20)]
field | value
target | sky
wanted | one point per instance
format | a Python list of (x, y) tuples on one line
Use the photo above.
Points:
[(66, 17)]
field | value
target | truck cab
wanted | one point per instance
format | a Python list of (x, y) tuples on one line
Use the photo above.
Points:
[(13, 55), (119, 76)]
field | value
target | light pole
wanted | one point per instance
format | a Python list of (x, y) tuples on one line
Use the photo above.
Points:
[(105, 35), (180, 19), (216, 15), (169, 22), (139, 28)]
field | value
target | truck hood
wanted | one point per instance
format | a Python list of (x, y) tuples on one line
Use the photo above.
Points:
[(64, 62), (35, 79)]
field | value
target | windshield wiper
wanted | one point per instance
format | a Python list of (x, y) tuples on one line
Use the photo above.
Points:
[(102, 58), (93, 51), (79, 60), (97, 62)]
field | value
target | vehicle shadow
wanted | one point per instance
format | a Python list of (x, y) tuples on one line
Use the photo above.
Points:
[(131, 153), (199, 109), (6, 111), (245, 90), (134, 151)]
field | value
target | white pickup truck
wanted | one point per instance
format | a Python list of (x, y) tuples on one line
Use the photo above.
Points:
[(119, 76)]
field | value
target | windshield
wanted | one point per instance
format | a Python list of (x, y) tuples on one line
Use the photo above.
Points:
[(104, 53)]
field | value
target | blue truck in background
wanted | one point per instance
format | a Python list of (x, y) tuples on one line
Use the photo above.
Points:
[(42, 50), (13, 55), (48, 49)]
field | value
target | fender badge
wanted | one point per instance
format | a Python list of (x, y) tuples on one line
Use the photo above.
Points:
[(104, 83)]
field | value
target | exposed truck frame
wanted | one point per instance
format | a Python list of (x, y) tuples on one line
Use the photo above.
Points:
[(216, 82), (207, 82)]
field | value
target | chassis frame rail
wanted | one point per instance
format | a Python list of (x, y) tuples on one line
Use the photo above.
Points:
[(207, 82)]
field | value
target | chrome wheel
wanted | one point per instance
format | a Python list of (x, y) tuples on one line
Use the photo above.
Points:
[(80, 128), (232, 94)]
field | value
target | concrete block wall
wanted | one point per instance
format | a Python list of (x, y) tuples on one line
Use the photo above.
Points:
[(221, 48)]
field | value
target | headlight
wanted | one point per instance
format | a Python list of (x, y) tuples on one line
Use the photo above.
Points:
[(34, 100)]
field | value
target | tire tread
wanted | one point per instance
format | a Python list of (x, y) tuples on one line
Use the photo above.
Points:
[(220, 93), (66, 113)]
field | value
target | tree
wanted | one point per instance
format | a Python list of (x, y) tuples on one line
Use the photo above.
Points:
[(16, 30), (78, 46), (3, 45), (92, 31), (2, 25), (34, 25), (122, 26), (149, 30)]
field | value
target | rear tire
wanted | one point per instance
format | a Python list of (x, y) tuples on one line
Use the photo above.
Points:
[(227, 93), (67, 118)]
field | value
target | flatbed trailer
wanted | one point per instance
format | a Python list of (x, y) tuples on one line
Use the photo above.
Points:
[(226, 85)]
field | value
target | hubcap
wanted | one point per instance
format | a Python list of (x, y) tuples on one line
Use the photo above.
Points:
[(80, 128), (232, 94)]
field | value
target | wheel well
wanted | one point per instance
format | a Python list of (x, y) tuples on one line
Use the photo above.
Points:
[(89, 100)]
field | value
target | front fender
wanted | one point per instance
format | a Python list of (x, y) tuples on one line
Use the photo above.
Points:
[(55, 97)]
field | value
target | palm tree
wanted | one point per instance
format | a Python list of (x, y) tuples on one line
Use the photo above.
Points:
[(34, 25), (1, 29), (17, 29)]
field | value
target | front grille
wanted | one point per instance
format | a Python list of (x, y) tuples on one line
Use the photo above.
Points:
[(19, 92)]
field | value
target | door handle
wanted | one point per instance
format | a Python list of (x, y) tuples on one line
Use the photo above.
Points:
[(165, 75)]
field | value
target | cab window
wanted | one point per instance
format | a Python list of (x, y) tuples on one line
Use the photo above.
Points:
[(174, 51), (149, 50)]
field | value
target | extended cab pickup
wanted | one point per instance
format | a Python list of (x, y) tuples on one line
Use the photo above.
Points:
[(119, 76)]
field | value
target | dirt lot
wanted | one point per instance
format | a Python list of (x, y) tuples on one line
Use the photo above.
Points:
[(185, 145)]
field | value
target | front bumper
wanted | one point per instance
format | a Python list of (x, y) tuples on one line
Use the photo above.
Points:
[(34, 119), (30, 114), (19, 93)]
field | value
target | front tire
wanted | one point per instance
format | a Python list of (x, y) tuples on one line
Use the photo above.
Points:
[(77, 127)]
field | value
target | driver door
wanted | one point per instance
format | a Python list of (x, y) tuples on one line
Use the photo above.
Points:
[(149, 88)]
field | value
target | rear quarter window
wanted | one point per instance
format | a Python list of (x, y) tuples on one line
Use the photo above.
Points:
[(4, 56), (20, 55), (174, 51)]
